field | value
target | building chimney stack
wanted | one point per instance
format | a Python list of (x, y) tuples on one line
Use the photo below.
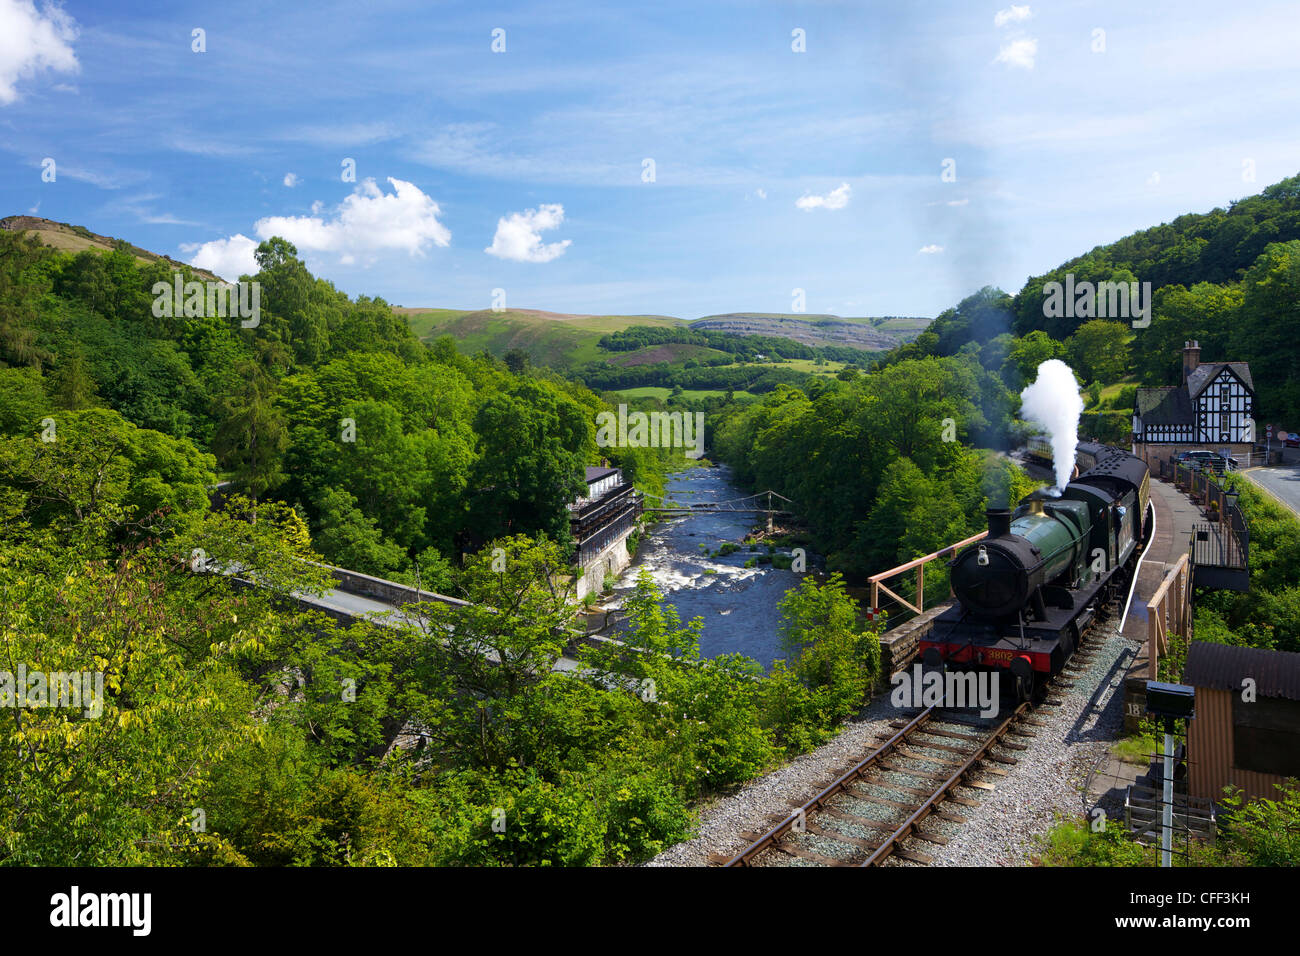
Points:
[(1191, 359)]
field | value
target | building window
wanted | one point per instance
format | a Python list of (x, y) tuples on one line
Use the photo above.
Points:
[(1264, 736)]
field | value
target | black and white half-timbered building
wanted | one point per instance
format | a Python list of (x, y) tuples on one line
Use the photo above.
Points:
[(1212, 409)]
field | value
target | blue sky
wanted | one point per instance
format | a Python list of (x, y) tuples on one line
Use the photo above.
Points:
[(774, 170)]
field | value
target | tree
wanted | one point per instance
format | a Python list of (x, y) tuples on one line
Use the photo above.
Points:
[(291, 301), (532, 447), (1098, 351), (516, 361), (350, 539), (100, 471), (250, 437), (1025, 355), (498, 654), (22, 283), (834, 655), (73, 388), (22, 400), (1264, 334)]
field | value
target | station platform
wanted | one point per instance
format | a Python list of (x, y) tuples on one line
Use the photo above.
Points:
[(1176, 519)]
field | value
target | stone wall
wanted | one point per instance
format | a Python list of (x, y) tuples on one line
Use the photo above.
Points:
[(390, 592), (613, 560), (898, 645)]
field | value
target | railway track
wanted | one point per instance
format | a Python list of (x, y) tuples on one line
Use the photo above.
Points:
[(927, 769)]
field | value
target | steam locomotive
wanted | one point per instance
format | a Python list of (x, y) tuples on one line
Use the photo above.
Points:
[(1026, 592)]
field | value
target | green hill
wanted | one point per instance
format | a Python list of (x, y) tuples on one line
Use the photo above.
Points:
[(550, 338), (1227, 278), (68, 238), (566, 340)]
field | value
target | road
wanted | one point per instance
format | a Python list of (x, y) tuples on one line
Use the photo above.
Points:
[(1282, 480)]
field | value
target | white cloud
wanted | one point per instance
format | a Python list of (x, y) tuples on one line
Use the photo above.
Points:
[(1019, 53), (958, 202), (31, 41), (228, 258), (1153, 179), (316, 207), (367, 223), (1012, 14), (837, 198), (760, 193), (291, 180), (930, 250), (517, 237)]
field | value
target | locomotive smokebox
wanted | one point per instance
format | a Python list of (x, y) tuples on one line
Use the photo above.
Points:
[(999, 521)]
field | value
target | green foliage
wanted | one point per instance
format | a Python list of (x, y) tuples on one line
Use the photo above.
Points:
[(1267, 616), (1264, 832), (1074, 843), (99, 468), (1259, 832)]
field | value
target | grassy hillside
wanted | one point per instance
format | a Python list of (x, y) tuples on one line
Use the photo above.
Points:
[(671, 352), (567, 340), (869, 334), (74, 239), (550, 338)]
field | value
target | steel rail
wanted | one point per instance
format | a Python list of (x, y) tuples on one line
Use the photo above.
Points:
[(841, 783), (941, 792)]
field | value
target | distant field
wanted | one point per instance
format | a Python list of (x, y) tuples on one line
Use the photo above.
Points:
[(560, 339), (672, 352), (808, 365), (423, 321), (898, 325), (551, 338), (657, 391)]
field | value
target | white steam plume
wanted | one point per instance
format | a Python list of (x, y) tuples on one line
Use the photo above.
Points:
[(1053, 402)]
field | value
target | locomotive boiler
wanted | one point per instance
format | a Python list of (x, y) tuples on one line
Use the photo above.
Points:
[(1026, 592)]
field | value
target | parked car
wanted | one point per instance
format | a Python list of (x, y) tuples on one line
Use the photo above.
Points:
[(1211, 460)]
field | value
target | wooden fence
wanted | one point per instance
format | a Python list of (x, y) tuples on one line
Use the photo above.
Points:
[(878, 580), (1169, 611)]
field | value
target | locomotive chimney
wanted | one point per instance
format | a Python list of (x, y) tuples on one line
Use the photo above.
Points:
[(999, 521), (1191, 359)]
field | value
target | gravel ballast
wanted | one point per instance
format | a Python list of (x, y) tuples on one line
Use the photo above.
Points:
[(1049, 779)]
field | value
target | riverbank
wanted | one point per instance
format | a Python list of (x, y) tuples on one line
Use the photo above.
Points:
[(705, 569)]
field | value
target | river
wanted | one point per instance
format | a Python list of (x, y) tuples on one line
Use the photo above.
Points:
[(737, 604)]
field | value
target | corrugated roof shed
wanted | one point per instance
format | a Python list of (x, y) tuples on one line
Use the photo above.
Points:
[(1224, 666)]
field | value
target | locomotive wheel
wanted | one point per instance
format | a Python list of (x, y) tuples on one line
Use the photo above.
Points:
[(1069, 641), (1022, 681), (1024, 688)]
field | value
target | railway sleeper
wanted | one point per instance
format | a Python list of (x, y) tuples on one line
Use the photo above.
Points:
[(811, 855), (948, 733), (925, 774), (860, 821), (913, 856)]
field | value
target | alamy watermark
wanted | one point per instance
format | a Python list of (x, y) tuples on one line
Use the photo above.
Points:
[(74, 689), (977, 690), (651, 430), (196, 300), (1098, 300)]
